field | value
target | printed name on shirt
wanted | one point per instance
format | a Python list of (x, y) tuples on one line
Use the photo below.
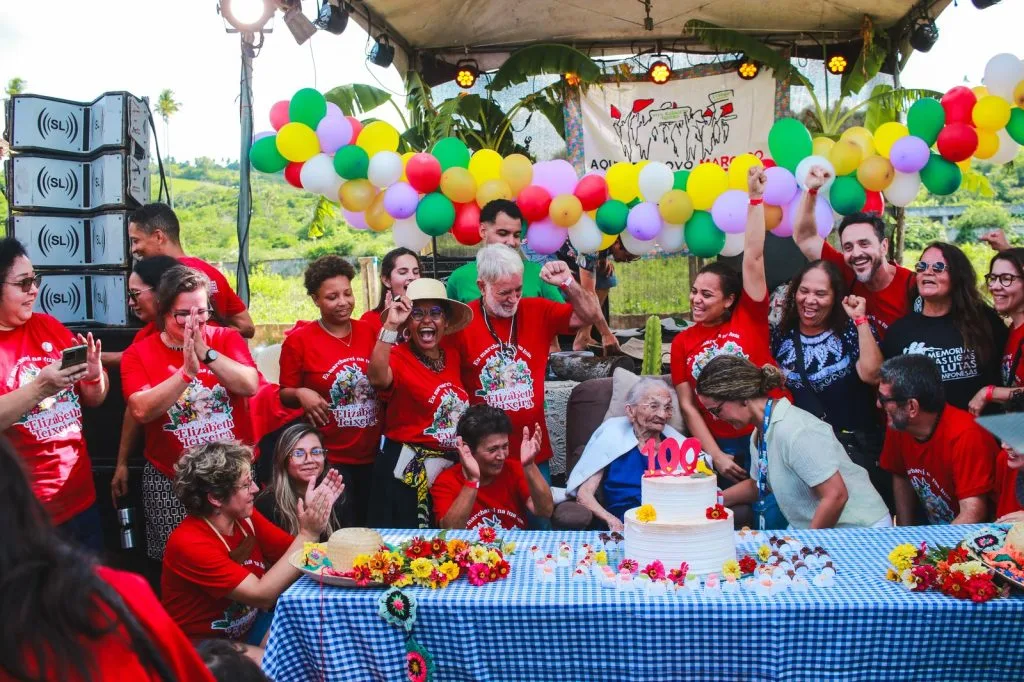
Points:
[(53, 417), (953, 363), (201, 415), (353, 400), (505, 383), (711, 350), (491, 518)]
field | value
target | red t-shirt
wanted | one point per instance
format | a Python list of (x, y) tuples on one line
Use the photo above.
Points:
[(1004, 492), (883, 307), (371, 318), (149, 329), (337, 369), (199, 574), (744, 334), (222, 297), (49, 437), (204, 412), (515, 384), (1014, 345), (499, 504), (424, 407), (957, 462)]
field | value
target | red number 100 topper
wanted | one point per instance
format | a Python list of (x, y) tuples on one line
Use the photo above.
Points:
[(672, 456)]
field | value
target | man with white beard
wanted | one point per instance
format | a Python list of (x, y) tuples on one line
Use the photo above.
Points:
[(504, 350)]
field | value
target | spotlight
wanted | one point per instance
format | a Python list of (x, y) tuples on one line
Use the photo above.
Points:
[(748, 69), (573, 79), (659, 72), (246, 16), (302, 29), (383, 52), (836, 64), (467, 73), (984, 4), (924, 33), (332, 18)]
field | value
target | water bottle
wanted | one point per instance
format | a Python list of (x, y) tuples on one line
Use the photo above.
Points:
[(126, 519)]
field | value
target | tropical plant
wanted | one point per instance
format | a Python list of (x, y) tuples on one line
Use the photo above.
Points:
[(15, 86), (167, 106), (652, 347)]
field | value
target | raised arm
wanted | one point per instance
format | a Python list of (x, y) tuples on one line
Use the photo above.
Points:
[(585, 307), (379, 374), (805, 229), (240, 379), (754, 283), (870, 361)]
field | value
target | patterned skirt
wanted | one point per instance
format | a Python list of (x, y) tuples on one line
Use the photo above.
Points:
[(163, 510)]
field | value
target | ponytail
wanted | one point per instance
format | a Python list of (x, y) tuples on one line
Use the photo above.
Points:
[(729, 377)]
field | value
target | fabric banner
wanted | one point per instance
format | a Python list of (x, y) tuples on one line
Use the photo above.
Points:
[(681, 123)]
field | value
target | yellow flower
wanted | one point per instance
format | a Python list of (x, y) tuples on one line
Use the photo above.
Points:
[(646, 514), (902, 556), (443, 582), (891, 575), (703, 468), (493, 557), (763, 552), (731, 568), (450, 569), (509, 548), (969, 568), (456, 545), (404, 581), (421, 568), (478, 554), (601, 557), (361, 560)]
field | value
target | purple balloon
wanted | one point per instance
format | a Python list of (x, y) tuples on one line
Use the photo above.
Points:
[(356, 219), (544, 237), (909, 154), (730, 211), (334, 110), (557, 177), (644, 221), (780, 187), (823, 217), (333, 133), (400, 200), (265, 133)]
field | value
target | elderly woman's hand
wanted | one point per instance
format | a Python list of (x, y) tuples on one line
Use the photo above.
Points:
[(315, 508)]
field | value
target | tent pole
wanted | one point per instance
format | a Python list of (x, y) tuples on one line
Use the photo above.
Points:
[(244, 189)]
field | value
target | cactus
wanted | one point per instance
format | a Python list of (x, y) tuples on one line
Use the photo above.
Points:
[(652, 347)]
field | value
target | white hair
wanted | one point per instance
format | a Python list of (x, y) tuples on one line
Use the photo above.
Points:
[(495, 261), (642, 388)]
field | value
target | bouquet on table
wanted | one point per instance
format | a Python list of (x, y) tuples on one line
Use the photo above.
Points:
[(951, 571)]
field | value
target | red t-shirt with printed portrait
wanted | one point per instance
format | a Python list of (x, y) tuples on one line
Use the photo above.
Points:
[(883, 307), (499, 504), (957, 462), (199, 574), (337, 369), (513, 383), (423, 406), (744, 334), (205, 411), (1014, 350), (223, 298), (48, 437)]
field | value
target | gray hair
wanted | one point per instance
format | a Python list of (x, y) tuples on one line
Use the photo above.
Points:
[(642, 388), (495, 261), (213, 468), (915, 376)]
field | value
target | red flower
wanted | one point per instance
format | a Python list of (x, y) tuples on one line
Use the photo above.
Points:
[(677, 576), (630, 565), (361, 574), (716, 512), (926, 576), (655, 570), (957, 556), (438, 547), (748, 565), (418, 547), (487, 534), (492, 574), (502, 568), (981, 588), (955, 585), (478, 574)]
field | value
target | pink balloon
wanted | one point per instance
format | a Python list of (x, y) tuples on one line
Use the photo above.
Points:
[(644, 221), (334, 132), (909, 154), (557, 177), (544, 237), (730, 211), (356, 220), (279, 114), (823, 217), (780, 187), (400, 200)]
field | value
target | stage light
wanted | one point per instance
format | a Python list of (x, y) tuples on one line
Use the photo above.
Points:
[(572, 79), (467, 73), (984, 4), (836, 64), (924, 33), (383, 52), (246, 16), (302, 29), (659, 72), (332, 18), (748, 69)]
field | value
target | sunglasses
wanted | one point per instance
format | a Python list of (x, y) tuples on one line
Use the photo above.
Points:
[(923, 265), (315, 453), (1005, 279), (435, 313), (27, 283), (181, 317), (134, 295)]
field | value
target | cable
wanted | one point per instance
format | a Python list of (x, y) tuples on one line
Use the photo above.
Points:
[(312, 58), (164, 187)]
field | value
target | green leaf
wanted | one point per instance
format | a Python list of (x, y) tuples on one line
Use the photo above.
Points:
[(322, 214), (976, 183), (726, 40), (869, 63), (357, 99), (545, 58)]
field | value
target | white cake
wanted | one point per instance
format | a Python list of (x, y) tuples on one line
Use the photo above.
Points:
[(681, 530)]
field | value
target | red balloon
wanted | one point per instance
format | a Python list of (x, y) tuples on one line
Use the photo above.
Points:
[(959, 103), (957, 141), (423, 172), (357, 126), (874, 203), (534, 201), (592, 191), (291, 174), (466, 229), (279, 114)]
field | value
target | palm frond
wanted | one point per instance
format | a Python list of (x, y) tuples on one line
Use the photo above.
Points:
[(544, 58), (357, 98), (868, 64), (976, 183), (726, 40), (322, 214)]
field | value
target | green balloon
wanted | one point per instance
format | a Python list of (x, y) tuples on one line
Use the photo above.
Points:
[(789, 142), (307, 106), (435, 214), (680, 179), (351, 162), (925, 119), (1015, 127), (611, 217), (451, 152), (703, 239), (847, 195), (940, 176), (264, 157)]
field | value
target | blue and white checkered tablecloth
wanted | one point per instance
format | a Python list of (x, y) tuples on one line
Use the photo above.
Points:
[(862, 628)]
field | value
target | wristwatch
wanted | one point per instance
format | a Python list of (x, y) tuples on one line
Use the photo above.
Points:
[(389, 336), (210, 356)]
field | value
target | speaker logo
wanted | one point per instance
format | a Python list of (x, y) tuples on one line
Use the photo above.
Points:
[(50, 239), (51, 300), (48, 124), (67, 184)]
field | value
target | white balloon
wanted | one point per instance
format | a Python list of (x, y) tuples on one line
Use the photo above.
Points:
[(655, 179), (385, 169), (733, 244), (804, 167), (637, 247), (1007, 148), (671, 238), (318, 176), (585, 235), (1002, 73), (904, 188), (406, 233), (331, 193)]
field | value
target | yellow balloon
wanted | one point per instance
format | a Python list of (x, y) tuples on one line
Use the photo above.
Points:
[(887, 134), (623, 181), (376, 217), (706, 182), (1018, 94), (357, 195), (875, 173), (737, 174), (458, 185), (592, 214), (297, 142), (979, 91), (607, 240), (988, 144), (378, 136), (565, 210), (991, 113), (491, 190), (405, 160), (845, 156), (863, 137), (822, 147), (676, 207), (964, 165), (517, 171), (485, 165)]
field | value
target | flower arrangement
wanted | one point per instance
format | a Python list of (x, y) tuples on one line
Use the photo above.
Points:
[(950, 571), (731, 569), (717, 512), (678, 575), (646, 514)]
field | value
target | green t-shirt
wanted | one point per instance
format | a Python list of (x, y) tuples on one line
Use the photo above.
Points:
[(462, 284)]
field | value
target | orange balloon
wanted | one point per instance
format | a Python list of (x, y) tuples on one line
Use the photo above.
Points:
[(772, 216), (376, 217), (875, 173), (491, 190), (357, 195), (565, 210), (458, 185)]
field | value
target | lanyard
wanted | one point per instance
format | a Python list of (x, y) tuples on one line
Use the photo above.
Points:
[(506, 348), (762, 466)]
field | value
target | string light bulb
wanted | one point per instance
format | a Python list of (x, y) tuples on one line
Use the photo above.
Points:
[(748, 69), (659, 72), (836, 64), (467, 73)]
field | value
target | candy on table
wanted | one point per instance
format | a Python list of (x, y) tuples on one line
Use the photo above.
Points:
[(711, 582), (763, 588), (829, 569), (657, 588), (624, 581), (642, 582), (750, 583), (535, 552), (545, 573), (579, 574), (799, 584), (681, 589), (731, 584), (779, 586), (607, 581), (824, 579), (785, 566)]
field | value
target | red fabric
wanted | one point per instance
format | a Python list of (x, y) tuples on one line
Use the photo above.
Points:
[(499, 504), (957, 462), (515, 386), (744, 334), (149, 329), (267, 412), (49, 438), (371, 318), (337, 369), (222, 297), (1004, 492), (1012, 345), (224, 416), (883, 307), (424, 407), (199, 575)]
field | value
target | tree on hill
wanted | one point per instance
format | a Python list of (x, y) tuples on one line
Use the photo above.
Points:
[(15, 86)]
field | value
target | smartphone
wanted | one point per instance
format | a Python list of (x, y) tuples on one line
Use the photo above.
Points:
[(70, 357)]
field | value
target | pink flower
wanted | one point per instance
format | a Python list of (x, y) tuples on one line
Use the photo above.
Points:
[(655, 570), (629, 565), (487, 534), (479, 574)]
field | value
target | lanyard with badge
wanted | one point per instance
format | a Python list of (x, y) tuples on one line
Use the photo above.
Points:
[(505, 348), (762, 468)]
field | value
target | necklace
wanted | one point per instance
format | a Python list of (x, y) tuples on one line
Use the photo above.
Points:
[(506, 348), (433, 364), (328, 331), (164, 338)]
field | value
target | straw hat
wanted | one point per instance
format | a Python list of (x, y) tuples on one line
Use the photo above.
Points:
[(424, 289), (346, 544)]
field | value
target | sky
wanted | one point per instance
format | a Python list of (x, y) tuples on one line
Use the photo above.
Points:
[(75, 49)]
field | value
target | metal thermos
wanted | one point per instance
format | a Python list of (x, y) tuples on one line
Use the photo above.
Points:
[(126, 519)]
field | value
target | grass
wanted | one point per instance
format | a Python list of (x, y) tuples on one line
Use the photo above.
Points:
[(651, 286), (275, 299)]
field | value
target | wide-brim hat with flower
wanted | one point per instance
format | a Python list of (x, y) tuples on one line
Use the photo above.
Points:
[(426, 289)]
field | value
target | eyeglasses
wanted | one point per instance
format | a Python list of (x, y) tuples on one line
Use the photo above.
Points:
[(657, 407), (923, 265), (134, 294), (715, 410), (1005, 279), (26, 284), (435, 313), (315, 453), (202, 314), (882, 400)]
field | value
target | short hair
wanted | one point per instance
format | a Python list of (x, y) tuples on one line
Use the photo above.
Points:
[(10, 250), (211, 469), (913, 375), (641, 388), (495, 261), (480, 421), (491, 210), (227, 661), (730, 377), (178, 279), (157, 216), (728, 279), (325, 268), (151, 270), (860, 217)]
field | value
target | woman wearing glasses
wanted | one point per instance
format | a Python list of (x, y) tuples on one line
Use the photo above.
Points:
[(1005, 281), (421, 383), (952, 325), (187, 385), (40, 403)]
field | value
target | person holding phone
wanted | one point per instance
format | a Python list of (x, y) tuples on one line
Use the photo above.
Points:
[(41, 399)]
